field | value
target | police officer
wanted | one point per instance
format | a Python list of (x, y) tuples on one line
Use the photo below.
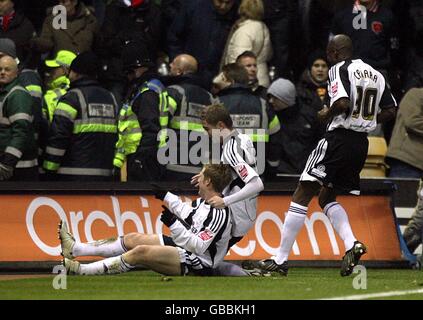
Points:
[(83, 132), (142, 117), (190, 100)]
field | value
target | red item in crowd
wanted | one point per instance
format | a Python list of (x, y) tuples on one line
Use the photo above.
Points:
[(6, 19), (136, 3)]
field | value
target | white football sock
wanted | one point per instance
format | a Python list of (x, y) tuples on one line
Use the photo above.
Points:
[(107, 266), (294, 220), (339, 219), (104, 248)]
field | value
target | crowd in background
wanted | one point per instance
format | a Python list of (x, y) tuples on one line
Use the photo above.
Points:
[(280, 45)]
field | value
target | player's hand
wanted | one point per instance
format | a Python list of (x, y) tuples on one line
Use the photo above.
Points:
[(194, 180), (323, 114), (216, 202)]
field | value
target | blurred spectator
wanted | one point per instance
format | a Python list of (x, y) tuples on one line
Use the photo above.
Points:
[(314, 24), (57, 81), (414, 231), (300, 129), (81, 26), (249, 112), (250, 33), (414, 45), (170, 10), (374, 34), (18, 157), (143, 115), (201, 29), (15, 26), (189, 101), (248, 60), (125, 21), (83, 132), (405, 155), (375, 37), (312, 88), (281, 17)]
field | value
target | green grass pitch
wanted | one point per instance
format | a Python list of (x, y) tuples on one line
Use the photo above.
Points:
[(302, 283)]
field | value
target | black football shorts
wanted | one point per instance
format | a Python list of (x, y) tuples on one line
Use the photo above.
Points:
[(337, 160)]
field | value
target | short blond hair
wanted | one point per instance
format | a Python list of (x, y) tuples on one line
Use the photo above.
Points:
[(220, 175), (251, 9)]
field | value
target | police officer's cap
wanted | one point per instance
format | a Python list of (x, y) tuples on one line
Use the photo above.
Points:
[(85, 63), (136, 54)]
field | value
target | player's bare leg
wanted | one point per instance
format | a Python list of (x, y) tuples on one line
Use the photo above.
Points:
[(131, 240), (162, 259)]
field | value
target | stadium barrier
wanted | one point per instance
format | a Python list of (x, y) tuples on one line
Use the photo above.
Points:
[(30, 215)]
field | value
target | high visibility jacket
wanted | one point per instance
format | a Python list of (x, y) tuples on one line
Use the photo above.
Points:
[(249, 113), (83, 132), (58, 88), (129, 130), (18, 147), (191, 100)]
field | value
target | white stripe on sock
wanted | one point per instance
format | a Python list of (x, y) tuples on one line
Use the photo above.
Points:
[(291, 226)]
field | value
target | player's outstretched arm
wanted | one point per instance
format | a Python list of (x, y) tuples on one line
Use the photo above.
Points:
[(177, 206), (251, 189)]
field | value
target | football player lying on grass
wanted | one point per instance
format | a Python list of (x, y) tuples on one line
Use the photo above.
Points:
[(198, 241)]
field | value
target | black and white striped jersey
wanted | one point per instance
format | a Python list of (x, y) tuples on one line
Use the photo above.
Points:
[(200, 229), (238, 151), (367, 90)]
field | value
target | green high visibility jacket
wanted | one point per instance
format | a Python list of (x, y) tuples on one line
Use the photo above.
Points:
[(129, 129), (58, 88)]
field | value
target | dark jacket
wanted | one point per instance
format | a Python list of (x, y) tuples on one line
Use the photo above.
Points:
[(377, 43), (78, 37), (307, 92), (143, 164), (82, 139), (200, 31), (20, 31), (17, 143), (299, 134), (239, 100), (31, 80), (281, 17), (124, 24), (190, 100)]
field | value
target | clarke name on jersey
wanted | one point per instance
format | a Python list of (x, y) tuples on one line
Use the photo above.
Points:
[(360, 74)]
